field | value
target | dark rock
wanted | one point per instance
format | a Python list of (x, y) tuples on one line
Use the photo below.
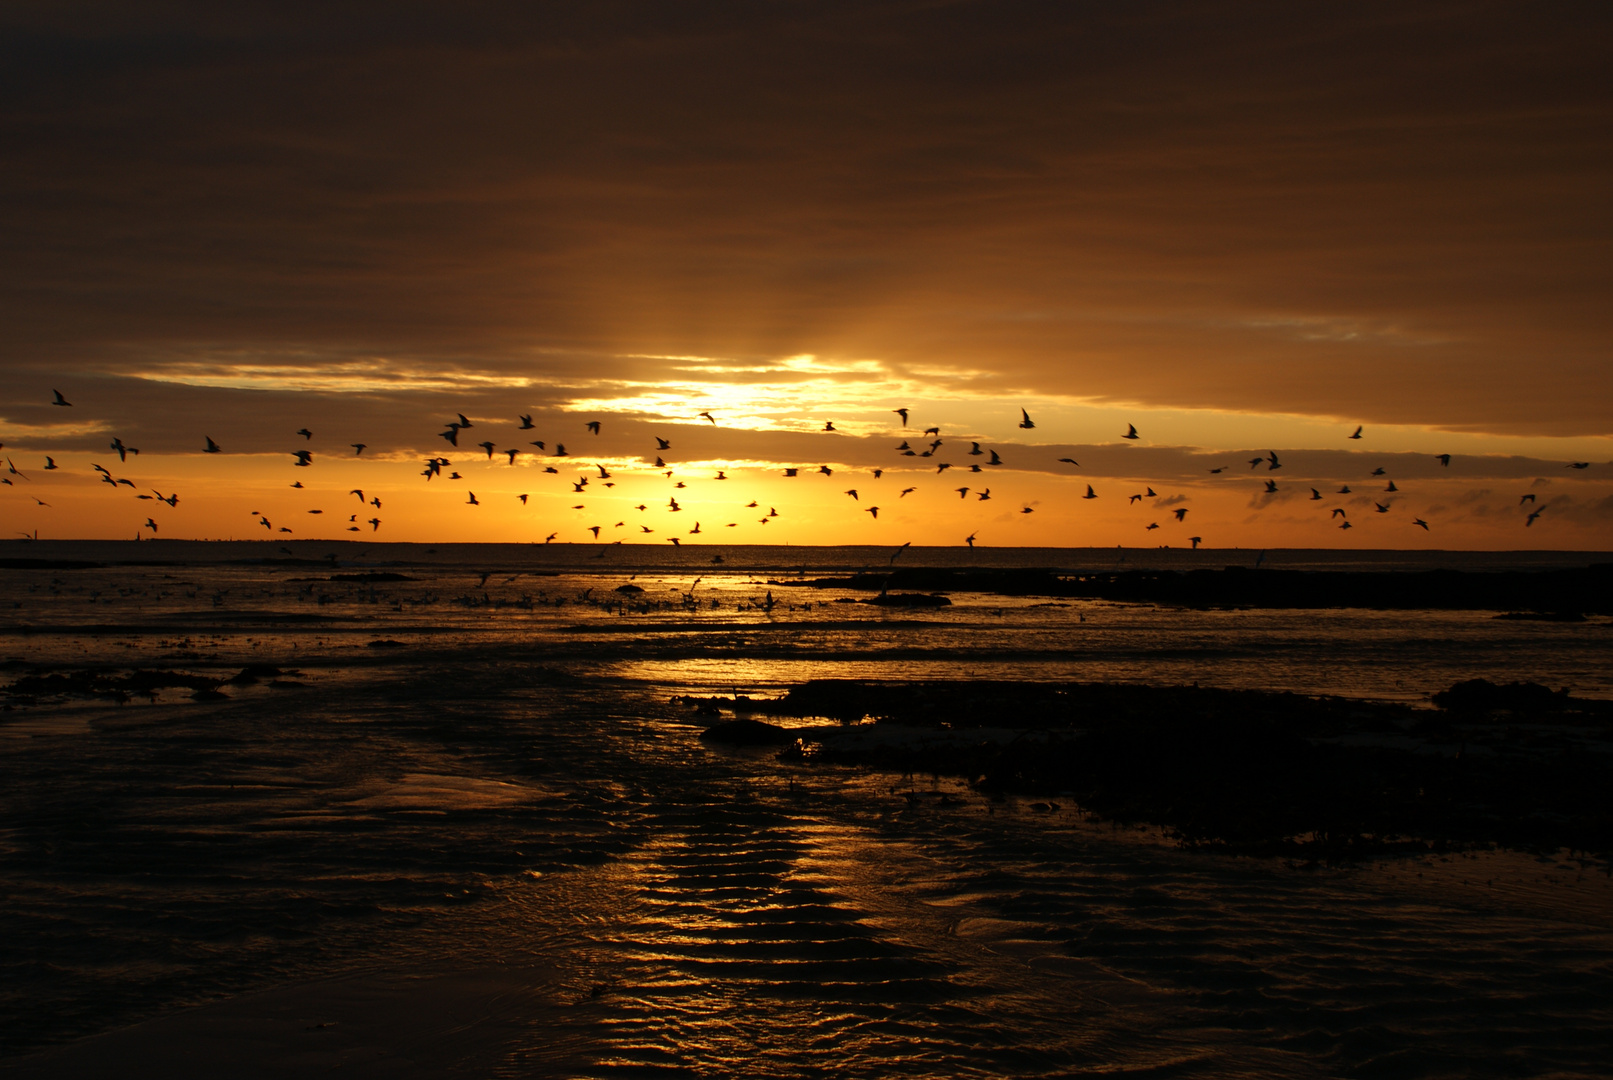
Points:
[(747, 733)]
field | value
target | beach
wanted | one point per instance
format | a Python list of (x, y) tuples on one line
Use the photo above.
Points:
[(452, 814)]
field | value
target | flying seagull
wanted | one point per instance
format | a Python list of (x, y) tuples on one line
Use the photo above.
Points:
[(305, 433), (1357, 434), (1131, 432), (903, 414), (212, 447), (1026, 423), (60, 400)]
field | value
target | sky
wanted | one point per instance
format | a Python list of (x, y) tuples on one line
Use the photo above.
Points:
[(1246, 229)]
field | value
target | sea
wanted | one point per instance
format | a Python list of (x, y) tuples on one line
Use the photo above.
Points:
[(474, 758)]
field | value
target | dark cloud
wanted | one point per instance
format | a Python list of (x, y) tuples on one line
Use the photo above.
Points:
[(1393, 212)]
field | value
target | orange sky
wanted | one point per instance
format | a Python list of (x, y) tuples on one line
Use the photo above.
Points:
[(1244, 228)]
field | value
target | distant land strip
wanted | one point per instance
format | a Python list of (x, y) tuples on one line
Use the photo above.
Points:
[(1587, 590)]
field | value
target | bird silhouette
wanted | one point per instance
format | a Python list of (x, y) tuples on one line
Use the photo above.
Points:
[(1345, 490), (852, 492), (662, 444), (512, 452), (1346, 525), (1444, 459), (874, 510), (463, 421), (592, 425), (559, 449), (1421, 523), (1254, 462), (50, 463), (1132, 500), (825, 470), (906, 492), (472, 500), (358, 448), (963, 492), (452, 434), (305, 433), (1196, 541), (1526, 499), (1391, 487), (1062, 460), (792, 472), (1181, 513), (1580, 465), (1090, 493), (523, 499), (123, 451), (1338, 512), (1315, 495), (1357, 434), (1151, 526), (828, 425), (995, 460), (933, 431), (526, 422), (943, 467), (1379, 471), (1027, 423), (374, 523), (1027, 510), (903, 414), (1271, 487), (708, 416), (1530, 520), (488, 446), (359, 492), (983, 496), (304, 458), (61, 400), (595, 530), (1382, 509), (1131, 432), (212, 447)]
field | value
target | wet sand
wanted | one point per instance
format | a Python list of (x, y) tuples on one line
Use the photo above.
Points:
[(396, 1025), (500, 846)]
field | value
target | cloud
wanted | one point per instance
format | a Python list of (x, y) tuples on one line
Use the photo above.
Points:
[(1392, 214)]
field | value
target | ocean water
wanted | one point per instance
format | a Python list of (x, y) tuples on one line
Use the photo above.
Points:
[(481, 765)]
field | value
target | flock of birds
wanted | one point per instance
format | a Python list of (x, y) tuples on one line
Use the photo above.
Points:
[(434, 466)]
